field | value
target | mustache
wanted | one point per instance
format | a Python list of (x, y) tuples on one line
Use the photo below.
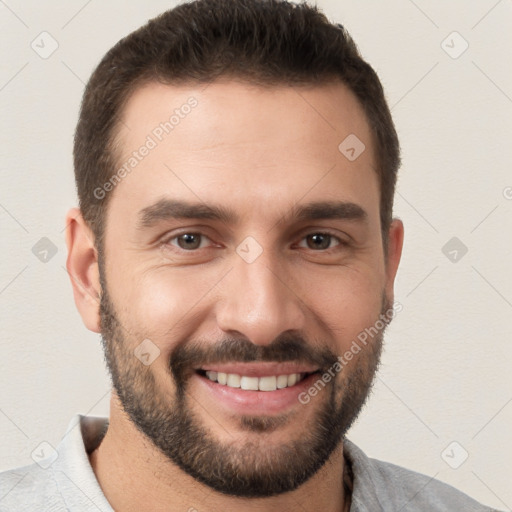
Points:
[(189, 356)]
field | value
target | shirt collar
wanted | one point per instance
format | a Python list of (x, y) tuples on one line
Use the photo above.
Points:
[(72, 470)]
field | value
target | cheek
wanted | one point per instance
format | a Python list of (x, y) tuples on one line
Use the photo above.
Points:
[(162, 302), (168, 305), (347, 301)]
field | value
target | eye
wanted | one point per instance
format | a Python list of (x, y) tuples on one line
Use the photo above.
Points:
[(188, 241), (321, 241)]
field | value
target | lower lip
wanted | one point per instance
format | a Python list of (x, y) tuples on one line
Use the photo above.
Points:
[(256, 402)]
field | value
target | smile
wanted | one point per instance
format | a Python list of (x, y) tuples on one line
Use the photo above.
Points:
[(252, 383)]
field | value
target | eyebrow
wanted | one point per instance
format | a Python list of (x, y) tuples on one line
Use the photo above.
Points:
[(167, 208)]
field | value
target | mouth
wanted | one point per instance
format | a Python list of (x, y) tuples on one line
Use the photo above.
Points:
[(256, 383), (265, 388), (255, 388)]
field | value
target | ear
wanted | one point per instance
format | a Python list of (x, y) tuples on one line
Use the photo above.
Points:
[(82, 267), (395, 244)]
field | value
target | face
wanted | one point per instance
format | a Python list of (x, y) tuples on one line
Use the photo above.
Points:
[(243, 255)]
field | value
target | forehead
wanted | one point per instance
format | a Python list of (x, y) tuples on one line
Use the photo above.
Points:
[(260, 147)]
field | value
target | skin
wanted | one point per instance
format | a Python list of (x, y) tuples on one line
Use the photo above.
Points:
[(236, 148)]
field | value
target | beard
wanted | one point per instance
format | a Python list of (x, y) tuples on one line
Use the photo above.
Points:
[(253, 468)]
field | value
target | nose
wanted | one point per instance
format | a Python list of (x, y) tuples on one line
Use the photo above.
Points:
[(259, 300)]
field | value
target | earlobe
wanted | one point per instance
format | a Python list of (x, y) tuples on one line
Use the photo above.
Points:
[(395, 245), (82, 267)]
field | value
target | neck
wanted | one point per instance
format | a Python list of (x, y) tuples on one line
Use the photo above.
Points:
[(127, 464)]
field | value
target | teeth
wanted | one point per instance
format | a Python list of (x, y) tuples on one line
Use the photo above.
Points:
[(292, 379), (270, 383), (233, 380), (249, 383), (267, 384), (282, 381), (211, 375)]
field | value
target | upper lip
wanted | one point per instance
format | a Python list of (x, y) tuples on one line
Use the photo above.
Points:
[(260, 369)]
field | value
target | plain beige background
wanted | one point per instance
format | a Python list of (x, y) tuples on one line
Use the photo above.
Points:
[(445, 375)]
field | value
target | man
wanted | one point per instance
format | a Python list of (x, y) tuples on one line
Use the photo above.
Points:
[(253, 132)]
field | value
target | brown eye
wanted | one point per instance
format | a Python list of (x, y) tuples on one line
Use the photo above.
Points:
[(320, 241), (188, 241)]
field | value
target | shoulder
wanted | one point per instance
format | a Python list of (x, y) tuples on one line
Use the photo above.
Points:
[(380, 485), (61, 480), (27, 488)]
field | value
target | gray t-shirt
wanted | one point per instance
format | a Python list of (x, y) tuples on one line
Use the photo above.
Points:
[(62, 480)]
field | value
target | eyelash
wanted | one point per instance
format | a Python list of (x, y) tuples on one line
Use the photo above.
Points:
[(167, 242)]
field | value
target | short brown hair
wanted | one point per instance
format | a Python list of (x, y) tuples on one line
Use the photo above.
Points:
[(264, 42)]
